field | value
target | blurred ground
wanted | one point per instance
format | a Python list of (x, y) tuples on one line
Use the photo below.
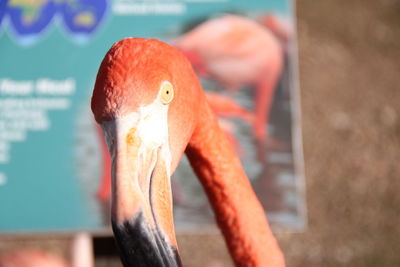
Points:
[(350, 76), (349, 69), (350, 89)]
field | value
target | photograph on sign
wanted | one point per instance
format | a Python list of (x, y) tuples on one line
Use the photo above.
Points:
[(55, 168)]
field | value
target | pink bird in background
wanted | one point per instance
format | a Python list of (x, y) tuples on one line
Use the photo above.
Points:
[(31, 258), (237, 53), (224, 106), (279, 26), (81, 255), (227, 107)]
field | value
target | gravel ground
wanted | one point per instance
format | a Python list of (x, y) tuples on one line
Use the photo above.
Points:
[(349, 73), (349, 69)]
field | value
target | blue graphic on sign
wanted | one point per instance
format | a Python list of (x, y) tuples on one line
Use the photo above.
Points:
[(83, 17), (2, 9), (30, 17)]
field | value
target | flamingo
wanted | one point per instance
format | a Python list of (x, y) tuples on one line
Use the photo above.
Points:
[(221, 105), (237, 51), (152, 109)]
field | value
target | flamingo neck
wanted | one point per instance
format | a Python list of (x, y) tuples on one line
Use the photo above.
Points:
[(239, 214)]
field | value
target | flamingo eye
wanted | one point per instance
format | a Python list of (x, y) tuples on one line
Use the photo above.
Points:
[(167, 93)]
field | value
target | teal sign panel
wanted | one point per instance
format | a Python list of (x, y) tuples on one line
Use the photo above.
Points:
[(54, 171)]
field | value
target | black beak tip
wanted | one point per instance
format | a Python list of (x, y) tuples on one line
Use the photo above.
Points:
[(142, 246)]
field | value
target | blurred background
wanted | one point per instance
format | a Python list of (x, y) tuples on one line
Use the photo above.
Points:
[(349, 74), (349, 55)]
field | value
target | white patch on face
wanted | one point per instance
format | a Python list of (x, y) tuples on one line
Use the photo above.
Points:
[(151, 124)]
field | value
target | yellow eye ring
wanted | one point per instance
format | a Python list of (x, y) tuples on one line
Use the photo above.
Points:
[(167, 93)]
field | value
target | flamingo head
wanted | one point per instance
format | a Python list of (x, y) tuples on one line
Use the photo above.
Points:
[(145, 98)]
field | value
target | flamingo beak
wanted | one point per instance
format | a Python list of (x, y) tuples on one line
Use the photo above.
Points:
[(142, 218)]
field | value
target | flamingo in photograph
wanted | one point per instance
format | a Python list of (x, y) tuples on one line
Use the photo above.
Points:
[(280, 26), (152, 109), (227, 107), (224, 106), (237, 52)]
